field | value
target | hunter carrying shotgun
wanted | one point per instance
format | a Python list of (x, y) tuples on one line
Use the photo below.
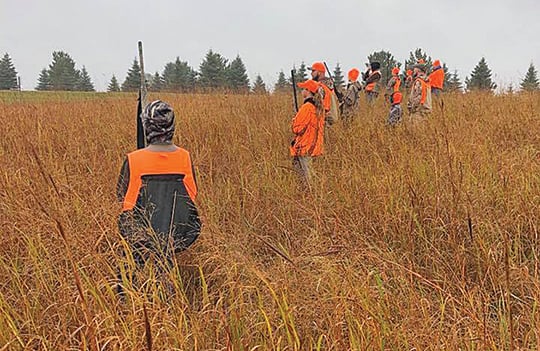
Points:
[(157, 190)]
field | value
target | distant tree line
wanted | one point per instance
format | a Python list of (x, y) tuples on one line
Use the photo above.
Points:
[(218, 73)]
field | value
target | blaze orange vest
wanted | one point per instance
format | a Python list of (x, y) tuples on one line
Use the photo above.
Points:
[(425, 87), (144, 162), (371, 86), (397, 85)]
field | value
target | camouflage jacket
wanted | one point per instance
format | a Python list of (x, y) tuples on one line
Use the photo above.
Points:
[(415, 103), (350, 98)]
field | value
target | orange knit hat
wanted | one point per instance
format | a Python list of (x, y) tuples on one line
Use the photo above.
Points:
[(395, 70), (319, 67), (353, 74)]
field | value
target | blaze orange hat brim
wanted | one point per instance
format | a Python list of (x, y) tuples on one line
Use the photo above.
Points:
[(310, 85)]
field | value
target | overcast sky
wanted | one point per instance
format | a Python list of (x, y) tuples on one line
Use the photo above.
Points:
[(269, 35)]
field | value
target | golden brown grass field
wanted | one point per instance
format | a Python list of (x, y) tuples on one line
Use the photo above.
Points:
[(413, 238)]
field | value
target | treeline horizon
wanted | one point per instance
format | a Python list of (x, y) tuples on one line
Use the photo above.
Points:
[(217, 73)]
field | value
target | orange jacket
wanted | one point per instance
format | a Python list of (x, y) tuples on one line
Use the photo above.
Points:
[(309, 131), (144, 162), (436, 78)]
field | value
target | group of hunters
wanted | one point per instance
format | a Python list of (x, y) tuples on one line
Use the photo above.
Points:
[(157, 186), (321, 98)]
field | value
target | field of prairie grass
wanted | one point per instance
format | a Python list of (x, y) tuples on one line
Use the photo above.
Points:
[(422, 237)]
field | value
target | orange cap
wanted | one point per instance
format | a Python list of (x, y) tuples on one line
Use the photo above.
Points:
[(310, 85), (353, 74), (436, 63), (395, 70), (396, 98), (319, 67), (409, 72)]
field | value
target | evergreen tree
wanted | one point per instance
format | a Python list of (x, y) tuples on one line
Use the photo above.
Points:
[(530, 81), (156, 83), (282, 85), (43, 81), (258, 86), (454, 83), (339, 80), (480, 77), (447, 76), (8, 74), (213, 71), (133, 78), (237, 78), (113, 85), (62, 73), (387, 61), (85, 82), (178, 76), (417, 56), (301, 74)]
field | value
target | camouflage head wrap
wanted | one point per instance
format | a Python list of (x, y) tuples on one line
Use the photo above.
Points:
[(158, 122)]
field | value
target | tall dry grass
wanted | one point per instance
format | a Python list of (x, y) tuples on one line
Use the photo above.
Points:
[(423, 237)]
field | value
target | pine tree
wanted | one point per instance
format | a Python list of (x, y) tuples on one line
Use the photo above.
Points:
[(113, 85), (446, 76), (8, 74), (85, 82), (301, 74), (530, 81), (156, 83), (43, 81), (178, 76), (213, 71), (454, 83), (339, 79), (416, 56), (387, 61), (62, 73), (237, 78), (133, 78), (258, 86), (282, 85), (480, 77)]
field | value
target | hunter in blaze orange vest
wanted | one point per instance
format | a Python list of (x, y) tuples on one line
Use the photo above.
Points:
[(157, 190)]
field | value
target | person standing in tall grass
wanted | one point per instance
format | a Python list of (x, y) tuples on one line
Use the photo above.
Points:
[(157, 190), (419, 104), (349, 103), (308, 129)]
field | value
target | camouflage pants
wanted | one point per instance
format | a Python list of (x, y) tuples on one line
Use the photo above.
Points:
[(371, 96), (394, 117)]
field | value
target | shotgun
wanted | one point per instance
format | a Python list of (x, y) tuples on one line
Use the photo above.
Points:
[(141, 103), (293, 81)]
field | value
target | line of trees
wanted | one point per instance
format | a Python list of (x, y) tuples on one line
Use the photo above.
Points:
[(217, 72)]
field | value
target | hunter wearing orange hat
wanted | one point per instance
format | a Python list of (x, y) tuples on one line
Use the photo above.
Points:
[(436, 78), (308, 129), (318, 74), (408, 78), (393, 84), (419, 104), (349, 104)]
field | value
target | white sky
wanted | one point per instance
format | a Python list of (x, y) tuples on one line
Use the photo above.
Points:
[(269, 35)]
